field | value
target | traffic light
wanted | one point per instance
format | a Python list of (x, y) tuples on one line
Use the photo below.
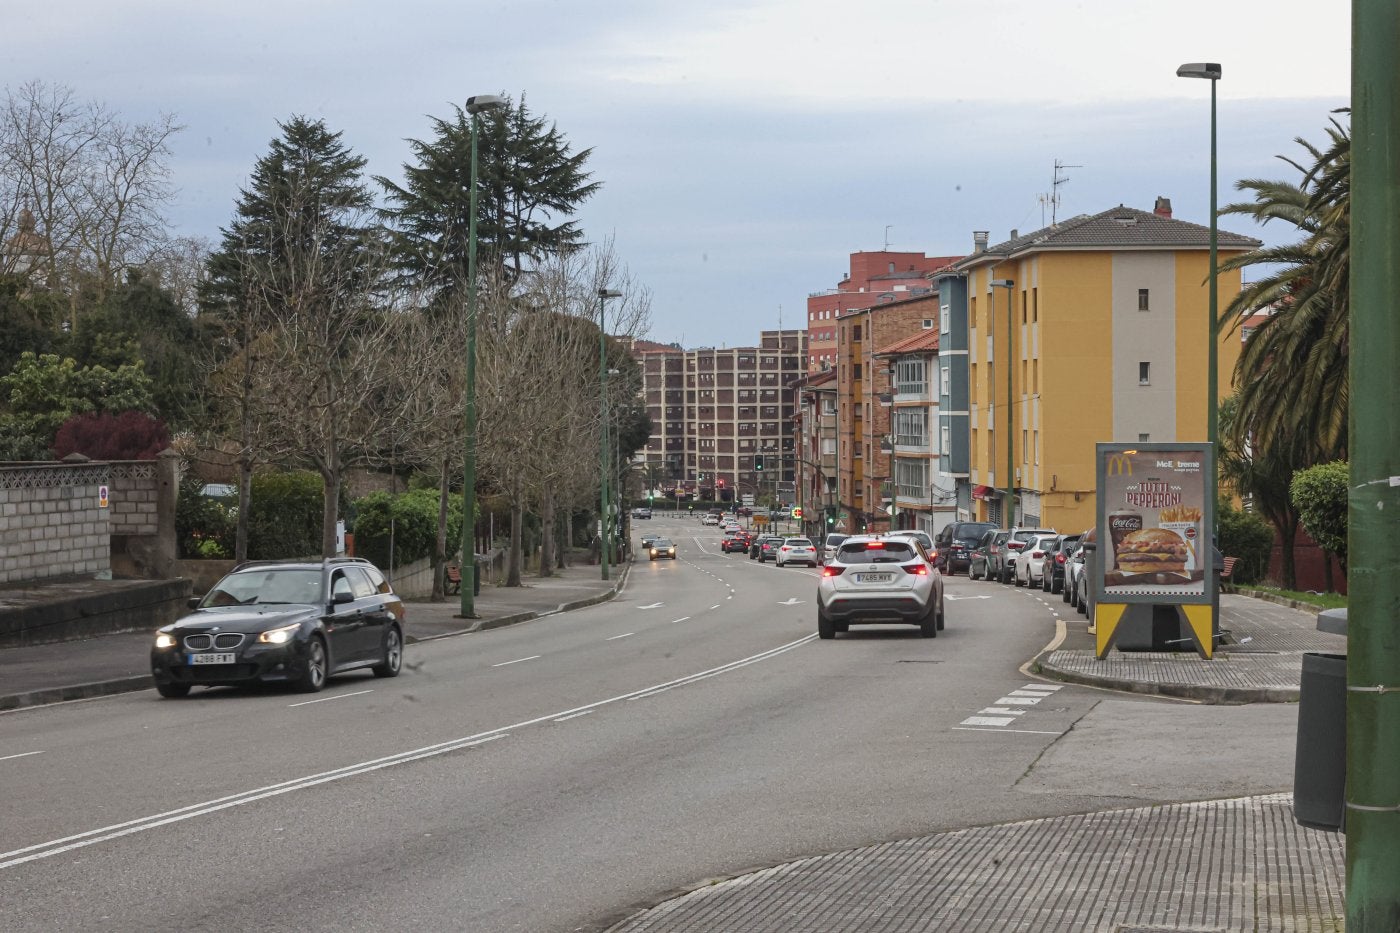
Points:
[(831, 518), (721, 483), (758, 462)]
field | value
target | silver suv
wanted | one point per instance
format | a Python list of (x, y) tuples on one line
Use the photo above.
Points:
[(1015, 543), (870, 579)]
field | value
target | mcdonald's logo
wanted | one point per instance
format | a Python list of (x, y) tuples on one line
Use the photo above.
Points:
[(1119, 465)]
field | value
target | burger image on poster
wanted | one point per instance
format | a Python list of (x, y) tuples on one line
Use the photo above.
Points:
[(1151, 550)]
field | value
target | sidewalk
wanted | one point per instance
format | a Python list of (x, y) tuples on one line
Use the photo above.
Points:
[(1211, 866), (120, 663)]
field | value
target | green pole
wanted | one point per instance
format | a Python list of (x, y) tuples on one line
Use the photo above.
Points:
[(468, 565), (1373, 651), (606, 542)]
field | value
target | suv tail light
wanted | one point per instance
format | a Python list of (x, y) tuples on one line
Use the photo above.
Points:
[(1037, 555), (1059, 558), (831, 570), (1015, 545), (916, 569)]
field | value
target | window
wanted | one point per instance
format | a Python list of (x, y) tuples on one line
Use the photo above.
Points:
[(945, 381), (911, 427), (1144, 438), (1025, 446), (944, 434), (855, 370), (828, 406), (855, 331), (928, 323), (1144, 374), (909, 377), (1035, 447), (943, 318), (1142, 300), (911, 478)]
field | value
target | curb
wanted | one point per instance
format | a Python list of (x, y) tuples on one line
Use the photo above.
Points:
[(75, 692), (1297, 604), (1223, 696)]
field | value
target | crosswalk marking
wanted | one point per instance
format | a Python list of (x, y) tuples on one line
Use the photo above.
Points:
[(1008, 708), (1003, 711), (987, 721)]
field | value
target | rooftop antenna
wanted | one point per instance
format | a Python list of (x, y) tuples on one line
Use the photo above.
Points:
[(1053, 198), (887, 237)]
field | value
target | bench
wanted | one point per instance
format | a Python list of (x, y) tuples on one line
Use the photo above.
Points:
[(454, 579), (1227, 568)]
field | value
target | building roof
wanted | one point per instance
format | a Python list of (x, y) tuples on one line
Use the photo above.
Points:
[(651, 346), (922, 342), (1120, 227)]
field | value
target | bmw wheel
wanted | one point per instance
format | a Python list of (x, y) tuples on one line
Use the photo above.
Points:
[(393, 654), (173, 691), (317, 666)]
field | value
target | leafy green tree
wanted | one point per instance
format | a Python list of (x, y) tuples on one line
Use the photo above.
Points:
[(1320, 494), (406, 523), (1245, 536), (1263, 476), (530, 183), (42, 392), (1292, 372)]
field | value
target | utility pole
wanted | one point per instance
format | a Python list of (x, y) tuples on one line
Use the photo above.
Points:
[(1372, 812)]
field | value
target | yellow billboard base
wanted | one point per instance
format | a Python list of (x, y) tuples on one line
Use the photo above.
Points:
[(1108, 616)]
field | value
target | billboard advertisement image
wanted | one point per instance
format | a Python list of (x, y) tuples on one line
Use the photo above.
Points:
[(1154, 509)]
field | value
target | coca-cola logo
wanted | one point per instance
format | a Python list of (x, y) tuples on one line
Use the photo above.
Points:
[(1133, 521)]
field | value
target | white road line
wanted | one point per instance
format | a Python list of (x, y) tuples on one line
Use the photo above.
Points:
[(1019, 701), (20, 755), (715, 606), (616, 637), (1003, 711), (681, 619), (54, 847), (1027, 692), (518, 660), (988, 721), (956, 728), (573, 716), (339, 696), (1051, 687)]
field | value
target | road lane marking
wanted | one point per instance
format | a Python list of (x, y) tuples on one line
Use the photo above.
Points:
[(1025, 692), (988, 721), (1004, 711), (616, 637), (956, 729), (652, 606), (518, 660), (20, 755), (90, 837), (715, 606), (573, 716), (339, 696), (681, 619), (1019, 701)]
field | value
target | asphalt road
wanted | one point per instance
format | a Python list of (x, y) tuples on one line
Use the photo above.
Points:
[(554, 775)]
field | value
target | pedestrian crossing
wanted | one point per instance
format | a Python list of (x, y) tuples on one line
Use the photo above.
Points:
[(1009, 708)]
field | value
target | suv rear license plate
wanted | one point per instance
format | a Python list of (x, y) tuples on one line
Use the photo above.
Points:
[(874, 577), (215, 657)]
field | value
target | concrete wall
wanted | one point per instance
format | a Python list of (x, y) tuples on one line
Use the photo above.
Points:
[(89, 608)]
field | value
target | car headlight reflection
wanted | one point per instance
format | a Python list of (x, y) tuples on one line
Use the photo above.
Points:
[(278, 636), (165, 640)]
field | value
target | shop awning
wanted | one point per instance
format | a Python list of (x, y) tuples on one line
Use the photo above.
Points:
[(984, 492)]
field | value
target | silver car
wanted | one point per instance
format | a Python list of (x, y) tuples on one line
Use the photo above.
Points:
[(796, 551), (870, 579)]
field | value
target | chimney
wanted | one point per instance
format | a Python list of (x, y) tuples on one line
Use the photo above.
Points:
[(1014, 234), (979, 240), (1163, 207)]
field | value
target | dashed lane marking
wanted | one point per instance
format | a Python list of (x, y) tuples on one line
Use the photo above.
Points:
[(340, 696), (518, 660), (623, 635)]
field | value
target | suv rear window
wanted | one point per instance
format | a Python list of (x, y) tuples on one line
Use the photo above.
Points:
[(875, 552)]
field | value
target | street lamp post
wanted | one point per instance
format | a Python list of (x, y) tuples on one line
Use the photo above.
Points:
[(1211, 72), (469, 570), (1007, 284), (604, 529)]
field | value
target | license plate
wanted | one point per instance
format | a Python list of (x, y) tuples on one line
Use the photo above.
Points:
[(874, 577), (212, 657)]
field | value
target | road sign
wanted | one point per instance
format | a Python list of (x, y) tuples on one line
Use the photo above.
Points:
[(748, 499)]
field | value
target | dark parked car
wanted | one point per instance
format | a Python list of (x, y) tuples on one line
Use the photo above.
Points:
[(977, 558), (768, 547), (290, 622), (954, 543), (1053, 579), (996, 555)]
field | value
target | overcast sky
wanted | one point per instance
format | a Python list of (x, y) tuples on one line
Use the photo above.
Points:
[(746, 147)]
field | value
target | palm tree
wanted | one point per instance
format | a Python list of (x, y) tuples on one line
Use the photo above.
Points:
[(1292, 373)]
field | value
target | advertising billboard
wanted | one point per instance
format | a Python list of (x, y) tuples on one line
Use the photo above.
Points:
[(1155, 512)]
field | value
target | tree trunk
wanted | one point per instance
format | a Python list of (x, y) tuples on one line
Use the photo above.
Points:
[(331, 510), (245, 501), (439, 594), (547, 534), (561, 539), (1288, 533), (517, 516)]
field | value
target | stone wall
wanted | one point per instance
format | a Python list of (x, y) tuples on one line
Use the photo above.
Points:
[(51, 523)]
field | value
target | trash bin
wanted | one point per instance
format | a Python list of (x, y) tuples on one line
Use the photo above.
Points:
[(1320, 753)]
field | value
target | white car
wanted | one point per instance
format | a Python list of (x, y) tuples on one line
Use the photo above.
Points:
[(870, 579), (796, 551), (710, 520), (1030, 564)]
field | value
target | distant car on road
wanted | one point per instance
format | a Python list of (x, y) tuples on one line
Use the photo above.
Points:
[(872, 579), (795, 551), (767, 547), (293, 622), (661, 547), (735, 544), (641, 512)]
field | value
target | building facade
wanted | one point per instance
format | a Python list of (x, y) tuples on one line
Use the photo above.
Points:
[(1093, 330), (919, 495)]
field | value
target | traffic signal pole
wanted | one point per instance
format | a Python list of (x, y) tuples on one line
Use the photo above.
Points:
[(1373, 651)]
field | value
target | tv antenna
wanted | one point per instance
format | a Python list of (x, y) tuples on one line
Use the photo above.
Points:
[(887, 237), (1053, 198)]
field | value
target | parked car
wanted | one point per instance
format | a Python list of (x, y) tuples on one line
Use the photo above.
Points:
[(1053, 579), (1030, 563), (830, 543), (768, 547), (796, 551), (871, 579), (661, 547), (954, 543), (923, 537), (1015, 543), (977, 557), (996, 554), (294, 622), (1077, 582)]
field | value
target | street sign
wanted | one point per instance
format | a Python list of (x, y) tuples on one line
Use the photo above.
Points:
[(102, 497), (748, 499)]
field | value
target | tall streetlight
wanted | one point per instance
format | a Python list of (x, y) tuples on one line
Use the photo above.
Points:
[(1007, 284), (1211, 72), (604, 531), (475, 105)]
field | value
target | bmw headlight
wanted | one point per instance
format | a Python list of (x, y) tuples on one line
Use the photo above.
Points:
[(279, 636), (165, 640)]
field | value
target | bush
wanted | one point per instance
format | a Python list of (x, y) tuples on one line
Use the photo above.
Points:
[(130, 435), (1248, 537), (1320, 495), (204, 527), (284, 517), (410, 519)]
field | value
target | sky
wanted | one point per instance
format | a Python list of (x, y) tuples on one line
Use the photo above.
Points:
[(746, 147)]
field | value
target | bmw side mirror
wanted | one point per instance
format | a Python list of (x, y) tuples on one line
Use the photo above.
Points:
[(195, 601), (343, 597)]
